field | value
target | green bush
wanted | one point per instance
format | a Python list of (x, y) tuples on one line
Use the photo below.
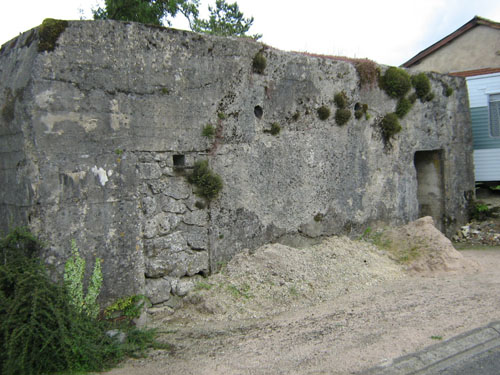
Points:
[(208, 184), (395, 82), (41, 331), (390, 126), (128, 307), (340, 100), (403, 107), (342, 116), (323, 113), (259, 63), (448, 91), (422, 85), (208, 131)]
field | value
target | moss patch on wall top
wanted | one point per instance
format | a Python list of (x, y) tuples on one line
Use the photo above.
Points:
[(49, 32)]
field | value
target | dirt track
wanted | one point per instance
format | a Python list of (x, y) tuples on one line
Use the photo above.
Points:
[(340, 336)]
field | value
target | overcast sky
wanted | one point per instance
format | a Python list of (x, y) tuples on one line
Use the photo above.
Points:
[(387, 31)]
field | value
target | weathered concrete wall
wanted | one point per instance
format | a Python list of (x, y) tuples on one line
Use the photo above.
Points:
[(89, 133)]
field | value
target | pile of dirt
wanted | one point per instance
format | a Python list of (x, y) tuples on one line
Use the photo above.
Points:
[(277, 278), (424, 249)]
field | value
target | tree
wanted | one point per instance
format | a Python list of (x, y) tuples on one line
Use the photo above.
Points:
[(225, 19)]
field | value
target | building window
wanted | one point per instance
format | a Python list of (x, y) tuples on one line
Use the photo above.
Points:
[(494, 111)]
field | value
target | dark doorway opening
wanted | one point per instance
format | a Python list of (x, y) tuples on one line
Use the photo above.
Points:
[(430, 185)]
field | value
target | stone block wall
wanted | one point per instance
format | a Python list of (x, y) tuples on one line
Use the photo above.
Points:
[(98, 136)]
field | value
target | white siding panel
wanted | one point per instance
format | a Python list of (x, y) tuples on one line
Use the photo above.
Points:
[(479, 88), (487, 164)]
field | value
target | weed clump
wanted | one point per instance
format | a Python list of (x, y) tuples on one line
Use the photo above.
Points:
[(323, 113), (342, 116), (259, 63), (208, 131), (396, 82), (49, 31), (403, 107), (368, 73), (275, 128), (208, 184), (340, 100), (422, 85), (390, 126), (448, 91)]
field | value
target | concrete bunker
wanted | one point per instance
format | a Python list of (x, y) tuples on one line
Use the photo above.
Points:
[(124, 124), (430, 185)]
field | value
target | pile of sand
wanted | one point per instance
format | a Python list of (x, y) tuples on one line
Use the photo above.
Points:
[(424, 249)]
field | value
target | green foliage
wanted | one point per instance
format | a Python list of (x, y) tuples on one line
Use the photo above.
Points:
[(323, 113), (49, 32), (429, 97), (318, 217), (340, 100), (412, 98), (396, 82), (74, 271), (275, 128), (224, 20), (342, 116), (422, 85), (238, 292), (358, 114), (200, 205), (368, 72), (200, 285), (403, 107), (448, 91), (481, 211), (221, 115), (40, 330), (360, 110), (259, 63), (208, 184), (128, 307), (208, 131), (390, 126)]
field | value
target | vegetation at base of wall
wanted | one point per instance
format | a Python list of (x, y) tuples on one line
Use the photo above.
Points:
[(342, 116), (403, 107), (40, 329), (390, 126), (396, 82), (422, 85), (208, 131), (129, 308), (340, 100), (323, 113), (74, 271), (481, 211), (368, 72), (259, 63), (208, 184), (49, 32)]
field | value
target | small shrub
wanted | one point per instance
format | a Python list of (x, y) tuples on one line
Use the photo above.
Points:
[(340, 100), (49, 32), (390, 126), (396, 82), (208, 184), (275, 128), (412, 98), (403, 107), (421, 84), (358, 114), (342, 116), (259, 63), (318, 217), (368, 73), (208, 131), (200, 205), (165, 91), (221, 115), (429, 97), (323, 113), (448, 91)]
